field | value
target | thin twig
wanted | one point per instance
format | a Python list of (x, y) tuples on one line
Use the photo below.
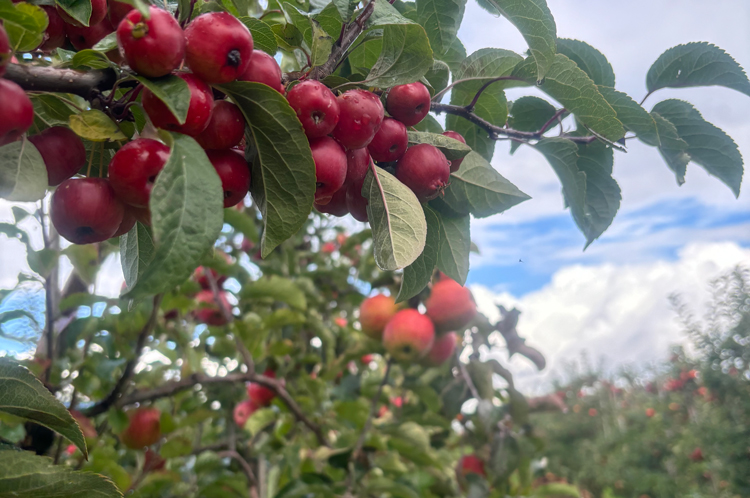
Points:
[(253, 493), (481, 90), (466, 376), (116, 392)]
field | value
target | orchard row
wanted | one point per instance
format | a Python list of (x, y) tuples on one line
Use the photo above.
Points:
[(347, 133)]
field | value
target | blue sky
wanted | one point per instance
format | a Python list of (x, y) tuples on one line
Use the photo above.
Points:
[(612, 299)]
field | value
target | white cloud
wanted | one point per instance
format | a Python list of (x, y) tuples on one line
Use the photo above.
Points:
[(617, 312)]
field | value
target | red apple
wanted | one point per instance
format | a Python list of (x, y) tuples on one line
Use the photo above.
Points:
[(261, 395), (54, 35), (234, 174), (408, 103), (361, 115), (336, 206), (330, 168), (16, 110), (208, 311), (409, 335), (118, 11), (425, 170), (153, 47), (86, 210), (225, 130), (83, 37), (219, 47), (144, 428), (450, 305), (5, 51), (63, 153), (374, 313), (263, 69), (199, 110), (390, 142), (134, 168), (242, 412), (456, 136), (442, 350), (316, 107)]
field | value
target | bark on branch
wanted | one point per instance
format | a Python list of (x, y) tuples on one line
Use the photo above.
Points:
[(86, 84)]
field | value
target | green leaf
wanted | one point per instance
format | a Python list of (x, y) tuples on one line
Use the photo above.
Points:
[(25, 475), (23, 395), (399, 229), (107, 43), (263, 37), (557, 490), (96, 126), (284, 173), (259, 420), (603, 194), (25, 20), (529, 114), (367, 52), (80, 10), (488, 63), (476, 138), (171, 90), (417, 275), (478, 188), (452, 148), (23, 175), (288, 37), (429, 125), (406, 56), (441, 20), (672, 148), (593, 62), (708, 145), (90, 59), (322, 43), (438, 75), (535, 22), (186, 216), (455, 55), (23, 39), (569, 85), (136, 253), (345, 8), (696, 64), (633, 117), (242, 223), (385, 14), (455, 246), (51, 110), (277, 289)]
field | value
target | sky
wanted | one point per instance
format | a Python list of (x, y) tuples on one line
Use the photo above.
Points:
[(610, 301)]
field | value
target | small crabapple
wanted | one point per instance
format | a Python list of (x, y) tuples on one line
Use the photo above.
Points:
[(219, 47), (199, 110), (316, 107), (361, 114)]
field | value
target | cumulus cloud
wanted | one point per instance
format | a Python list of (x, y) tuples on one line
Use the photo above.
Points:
[(618, 313)]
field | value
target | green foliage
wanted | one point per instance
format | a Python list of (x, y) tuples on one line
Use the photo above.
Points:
[(22, 173)]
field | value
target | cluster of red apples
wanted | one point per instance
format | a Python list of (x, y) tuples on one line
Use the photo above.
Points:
[(346, 132), (410, 336)]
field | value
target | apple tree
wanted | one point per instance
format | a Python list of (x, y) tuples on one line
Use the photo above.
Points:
[(243, 356)]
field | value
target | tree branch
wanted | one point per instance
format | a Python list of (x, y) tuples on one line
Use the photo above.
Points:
[(348, 35), (466, 376), (116, 392), (253, 493), (86, 84)]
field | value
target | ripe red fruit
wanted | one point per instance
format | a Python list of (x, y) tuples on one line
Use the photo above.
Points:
[(199, 110), (233, 172), (408, 103), (5, 51), (330, 168), (425, 170), (261, 395), (409, 335), (650, 412), (593, 412), (129, 220), (86, 210), (16, 110), (356, 204), (133, 170), (390, 142), (98, 12), (336, 206), (63, 153), (143, 430), (263, 69), (153, 47), (456, 136), (118, 11), (442, 350), (696, 455), (316, 106), (153, 461), (450, 305), (225, 130), (219, 47), (54, 35), (242, 412), (208, 311), (83, 37), (87, 426), (374, 313), (366, 359), (200, 276), (469, 464), (360, 118)]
